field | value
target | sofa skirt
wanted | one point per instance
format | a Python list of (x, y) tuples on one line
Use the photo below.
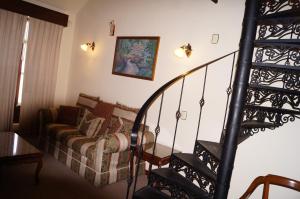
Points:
[(78, 164)]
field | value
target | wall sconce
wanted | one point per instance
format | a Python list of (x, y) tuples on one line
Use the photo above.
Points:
[(85, 47), (184, 50)]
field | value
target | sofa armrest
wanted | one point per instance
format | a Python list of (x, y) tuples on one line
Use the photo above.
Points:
[(119, 142), (46, 116)]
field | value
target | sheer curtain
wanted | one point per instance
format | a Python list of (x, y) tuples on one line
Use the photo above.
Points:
[(12, 27), (40, 71)]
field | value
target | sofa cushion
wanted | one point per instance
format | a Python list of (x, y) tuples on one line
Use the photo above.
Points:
[(104, 110), (90, 124), (59, 131), (119, 142), (68, 115), (81, 144), (87, 101)]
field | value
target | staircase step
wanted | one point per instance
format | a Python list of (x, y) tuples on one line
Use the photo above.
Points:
[(213, 147), (272, 109), (277, 116), (150, 193), (282, 43), (277, 67), (274, 89), (194, 162), (283, 17), (255, 124), (168, 177)]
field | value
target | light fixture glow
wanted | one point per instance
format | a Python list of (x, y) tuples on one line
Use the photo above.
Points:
[(179, 52), (184, 50), (85, 46)]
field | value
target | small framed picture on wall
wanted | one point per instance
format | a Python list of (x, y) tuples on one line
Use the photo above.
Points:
[(136, 57)]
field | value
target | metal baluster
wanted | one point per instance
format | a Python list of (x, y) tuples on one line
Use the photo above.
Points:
[(178, 114), (157, 131), (202, 102), (130, 177), (289, 50), (228, 91), (140, 153)]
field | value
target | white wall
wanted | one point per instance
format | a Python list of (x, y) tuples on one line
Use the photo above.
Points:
[(176, 22)]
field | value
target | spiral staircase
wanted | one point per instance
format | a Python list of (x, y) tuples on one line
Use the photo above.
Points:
[(264, 92)]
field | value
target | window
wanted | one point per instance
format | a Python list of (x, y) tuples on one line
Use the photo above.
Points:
[(22, 65)]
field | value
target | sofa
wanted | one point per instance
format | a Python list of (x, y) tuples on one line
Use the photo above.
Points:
[(92, 138)]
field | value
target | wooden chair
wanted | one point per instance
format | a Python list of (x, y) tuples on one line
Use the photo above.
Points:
[(271, 179)]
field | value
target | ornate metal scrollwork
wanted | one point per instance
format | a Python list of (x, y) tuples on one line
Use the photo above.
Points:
[(273, 6), (291, 81), (205, 184), (279, 31), (161, 184), (282, 79), (265, 77), (209, 160), (261, 114), (278, 55), (252, 131), (259, 96)]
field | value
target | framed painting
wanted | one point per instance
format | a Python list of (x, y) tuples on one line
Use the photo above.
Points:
[(136, 57)]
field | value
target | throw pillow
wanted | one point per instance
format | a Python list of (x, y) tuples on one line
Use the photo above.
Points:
[(127, 115), (117, 126), (127, 108), (104, 110), (90, 124), (68, 115), (87, 101)]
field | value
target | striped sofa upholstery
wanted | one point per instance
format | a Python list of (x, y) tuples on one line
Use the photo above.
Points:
[(101, 161)]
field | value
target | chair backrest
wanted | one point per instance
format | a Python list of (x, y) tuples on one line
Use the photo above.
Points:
[(270, 179)]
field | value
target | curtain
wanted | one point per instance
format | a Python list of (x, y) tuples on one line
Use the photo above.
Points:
[(40, 71), (12, 28)]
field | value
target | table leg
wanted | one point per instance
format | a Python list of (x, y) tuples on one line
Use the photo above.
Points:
[(1, 174), (38, 169)]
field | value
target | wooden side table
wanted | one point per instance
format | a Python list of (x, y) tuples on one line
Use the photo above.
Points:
[(161, 155)]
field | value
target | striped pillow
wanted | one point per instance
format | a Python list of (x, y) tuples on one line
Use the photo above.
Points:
[(90, 124), (87, 101), (117, 126), (124, 113)]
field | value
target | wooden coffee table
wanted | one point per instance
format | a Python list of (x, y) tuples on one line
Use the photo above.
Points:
[(16, 150), (161, 155)]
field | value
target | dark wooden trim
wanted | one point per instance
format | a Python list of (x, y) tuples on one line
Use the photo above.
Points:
[(35, 11)]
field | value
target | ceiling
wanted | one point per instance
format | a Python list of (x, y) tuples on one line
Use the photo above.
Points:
[(66, 6)]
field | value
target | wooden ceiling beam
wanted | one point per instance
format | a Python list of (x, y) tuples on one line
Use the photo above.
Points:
[(35, 11)]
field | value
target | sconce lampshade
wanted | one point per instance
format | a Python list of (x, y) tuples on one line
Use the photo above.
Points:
[(85, 46), (179, 52), (184, 50)]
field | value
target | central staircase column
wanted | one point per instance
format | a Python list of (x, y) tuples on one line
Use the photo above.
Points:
[(238, 99)]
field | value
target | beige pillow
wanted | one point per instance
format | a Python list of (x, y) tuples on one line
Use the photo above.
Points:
[(90, 124)]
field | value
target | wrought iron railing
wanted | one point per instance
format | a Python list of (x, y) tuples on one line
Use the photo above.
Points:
[(137, 149)]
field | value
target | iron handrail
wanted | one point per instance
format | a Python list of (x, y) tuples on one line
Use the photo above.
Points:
[(155, 95)]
